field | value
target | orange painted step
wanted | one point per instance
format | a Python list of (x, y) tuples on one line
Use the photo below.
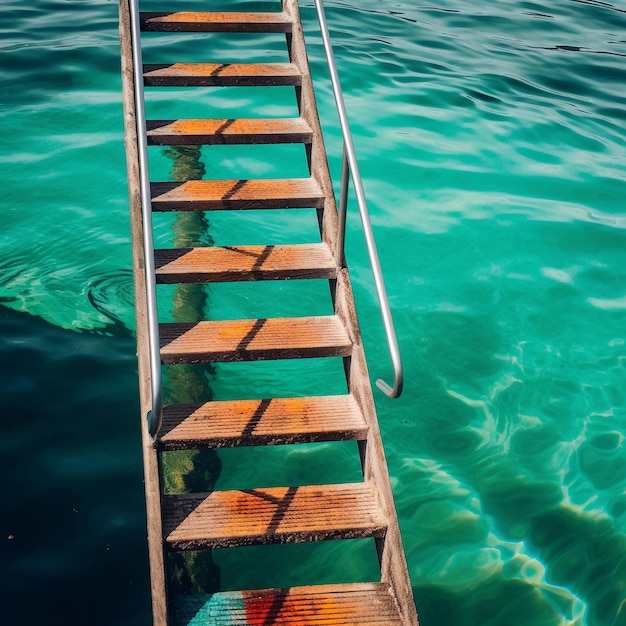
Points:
[(187, 21), (272, 515), (323, 605), (275, 421), (254, 340), (231, 131), (212, 195), (221, 75), (238, 263)]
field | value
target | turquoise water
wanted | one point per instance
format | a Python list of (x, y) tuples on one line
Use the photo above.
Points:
[(491, 138)]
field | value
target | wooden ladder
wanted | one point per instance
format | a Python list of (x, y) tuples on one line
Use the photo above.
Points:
[(223, 519)]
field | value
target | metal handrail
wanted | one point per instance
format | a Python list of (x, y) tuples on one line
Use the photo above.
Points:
[(155, 414), (350, 165)]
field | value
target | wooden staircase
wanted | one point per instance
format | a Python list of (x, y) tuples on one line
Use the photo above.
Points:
[(294, 513)]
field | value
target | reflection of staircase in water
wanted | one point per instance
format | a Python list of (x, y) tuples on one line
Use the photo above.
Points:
[(307, 513)]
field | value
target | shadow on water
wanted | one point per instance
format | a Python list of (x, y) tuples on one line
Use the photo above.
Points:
[(73, 527), (73, 512), (191, 470)]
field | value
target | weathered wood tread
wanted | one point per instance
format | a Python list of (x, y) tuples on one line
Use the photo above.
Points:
[(254, 340), (345, 605), (238, 263), (221, 74), (232, 22), (212, 195), (231, 131), (261, 422), (272, 515)]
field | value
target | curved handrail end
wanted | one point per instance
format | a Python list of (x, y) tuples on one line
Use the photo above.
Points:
[(388, 390), (350, 166)]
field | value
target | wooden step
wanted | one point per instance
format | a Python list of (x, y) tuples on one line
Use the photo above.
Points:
[(345, 605), (231, 131), (221, 75), (254, 340), (275, 421), (212, 195), (202, 22), (272, 515), (238, 263)]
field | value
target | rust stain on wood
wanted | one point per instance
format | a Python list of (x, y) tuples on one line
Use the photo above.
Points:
[(342, 604), (262, 422), (276, 515), (194, 21), (236, 263), (228, 131), (240, 340), (210, 195), (220, 74)]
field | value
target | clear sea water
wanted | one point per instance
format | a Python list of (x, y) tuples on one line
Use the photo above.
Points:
[(491, 137)]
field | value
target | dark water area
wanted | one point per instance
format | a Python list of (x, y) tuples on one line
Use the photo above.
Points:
[(72, 544)]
